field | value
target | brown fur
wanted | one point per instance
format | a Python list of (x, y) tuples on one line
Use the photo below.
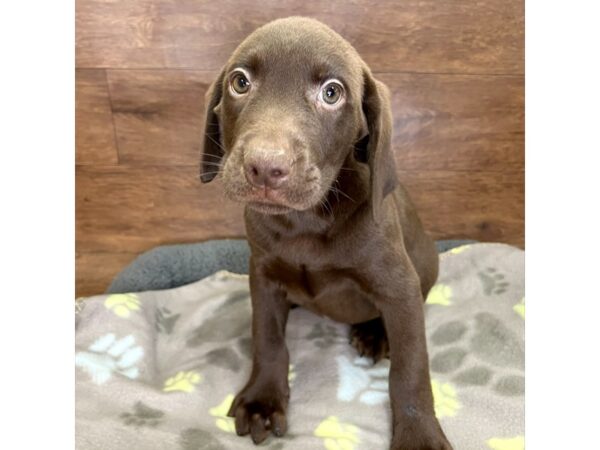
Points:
[(338, 235)]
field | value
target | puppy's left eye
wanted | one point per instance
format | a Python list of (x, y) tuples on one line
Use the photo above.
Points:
[(332, 92)]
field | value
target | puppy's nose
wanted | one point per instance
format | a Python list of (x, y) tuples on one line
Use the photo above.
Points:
[(262, 171)]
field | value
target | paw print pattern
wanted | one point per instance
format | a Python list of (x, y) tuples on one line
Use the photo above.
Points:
[(519, 308), (363, 381), (182, 381), (107, 356), (445, 400), (473, 351), (165, 320), (337, 435), (198, 439), (323, 335), (493, 281), (122, 304), (460, 249), (516, 443), (440, 294), (142, 415), (291, 375), (220, 411)]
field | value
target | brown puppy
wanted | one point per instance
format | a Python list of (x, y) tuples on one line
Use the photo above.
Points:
[(300, 131)]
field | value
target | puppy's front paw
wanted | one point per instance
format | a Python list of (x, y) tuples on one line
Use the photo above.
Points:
[(258, 411), (420, 434)]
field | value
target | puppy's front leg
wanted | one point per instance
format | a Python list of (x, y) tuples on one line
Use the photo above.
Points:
[(261, 405), (414, 423)]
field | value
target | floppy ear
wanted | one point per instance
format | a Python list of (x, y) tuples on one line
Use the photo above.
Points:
[(212, 150), (378, 114)]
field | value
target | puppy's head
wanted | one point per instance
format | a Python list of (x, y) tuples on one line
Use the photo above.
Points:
[(293, 102)]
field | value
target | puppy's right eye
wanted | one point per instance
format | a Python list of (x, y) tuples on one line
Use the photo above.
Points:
[(240, 84)]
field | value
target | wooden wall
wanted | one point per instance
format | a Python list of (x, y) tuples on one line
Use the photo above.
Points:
[(455, 68)]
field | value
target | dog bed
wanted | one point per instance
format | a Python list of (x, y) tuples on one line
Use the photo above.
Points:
[(158, 369)]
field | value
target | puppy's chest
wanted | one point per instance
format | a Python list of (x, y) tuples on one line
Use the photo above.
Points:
[(339, 292)]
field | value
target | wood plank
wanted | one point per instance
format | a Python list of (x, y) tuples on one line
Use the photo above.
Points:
[(95, 271), (94, 131), (481, 205), (133, 208), (456, 36), (159, 115), (458, 122), (443, 122)]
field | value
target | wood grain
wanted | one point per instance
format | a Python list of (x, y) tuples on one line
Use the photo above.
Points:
[(454, 122), (159, 115), (482, 205), (95, 271), (94, 133), (410, 36), (134, 208)]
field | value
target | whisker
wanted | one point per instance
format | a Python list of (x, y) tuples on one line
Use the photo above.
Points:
[(211, 155), (335, 192), (339, 191), (217, 143), (326, 206)]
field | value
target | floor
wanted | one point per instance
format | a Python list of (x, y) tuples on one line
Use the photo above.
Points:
[(455, 69)]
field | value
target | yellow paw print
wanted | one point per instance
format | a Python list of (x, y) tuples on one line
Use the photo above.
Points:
[(519, 308), (337, 435), (440, 295), (516, 443), (182, 381), (457, 250), (224, 422), (122, 304), (445, 400)]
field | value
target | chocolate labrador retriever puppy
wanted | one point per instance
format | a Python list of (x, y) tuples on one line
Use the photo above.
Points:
[(299, 130)]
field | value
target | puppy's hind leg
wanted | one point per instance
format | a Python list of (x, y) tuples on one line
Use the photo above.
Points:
[(370, 339)]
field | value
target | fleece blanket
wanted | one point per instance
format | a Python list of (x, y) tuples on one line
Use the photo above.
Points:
[(159, 369)]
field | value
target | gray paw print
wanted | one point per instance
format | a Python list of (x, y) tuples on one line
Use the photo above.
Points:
[(197, 439), (165, 320), (323, 335), (237, 310), (479, 352), (142, 415), (493, 281)]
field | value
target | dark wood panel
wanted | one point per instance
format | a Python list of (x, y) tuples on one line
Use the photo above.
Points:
[(95, 271), (453, 122), (445, 122), (413, 35), (487, 206), (159, 114), (132, 209), (94, 132)]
